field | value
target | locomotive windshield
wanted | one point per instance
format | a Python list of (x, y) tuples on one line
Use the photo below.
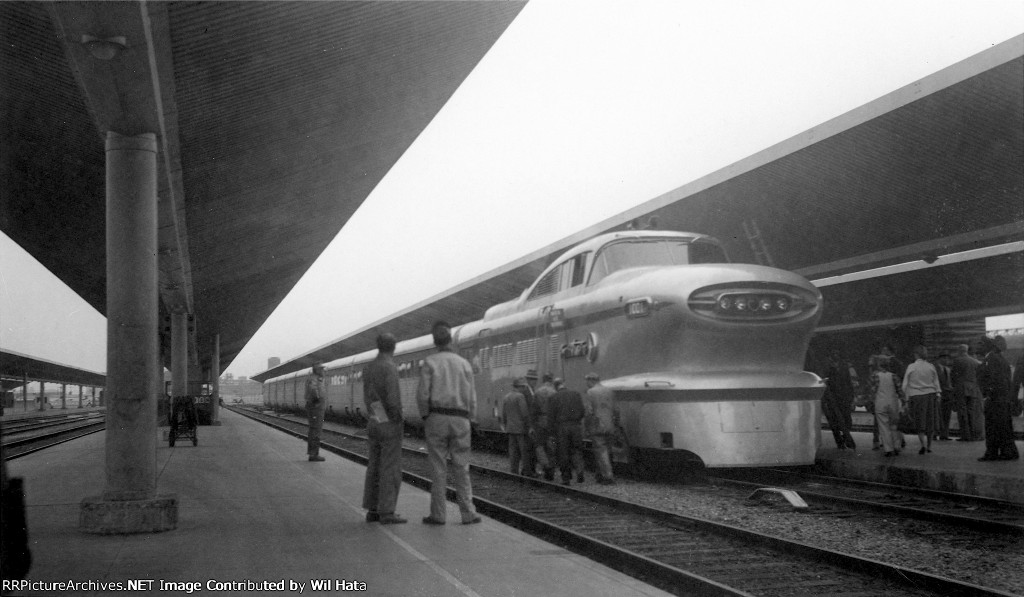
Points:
[(654, 252)]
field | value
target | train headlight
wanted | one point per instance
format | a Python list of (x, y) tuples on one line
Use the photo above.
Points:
[(762, 302)]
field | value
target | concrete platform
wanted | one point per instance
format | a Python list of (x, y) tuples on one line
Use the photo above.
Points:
[(252, 509), (951, 466)]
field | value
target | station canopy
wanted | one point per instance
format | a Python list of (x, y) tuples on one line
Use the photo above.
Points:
[(274, 120), (926, 174)]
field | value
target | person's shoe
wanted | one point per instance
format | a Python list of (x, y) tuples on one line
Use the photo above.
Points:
[(431, 520), (549, 474), (566, 481), (606, 481), (921, 451), (1009, 457), (850, 444), (372, 517), (474, 520), (579, 478), (987, 458), (876, 447), (316, 458), (889, 454), (392, 519)]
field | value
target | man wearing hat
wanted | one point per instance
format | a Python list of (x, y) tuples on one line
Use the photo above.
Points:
[(599, 423), (515, 419), (994, 381), (316, 401)]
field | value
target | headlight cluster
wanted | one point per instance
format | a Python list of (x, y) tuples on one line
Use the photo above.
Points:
[(753, 303)]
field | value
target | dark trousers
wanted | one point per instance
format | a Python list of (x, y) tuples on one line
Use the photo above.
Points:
[(945, 412), (315, 413), (999, 430), (384, 469), (570, 449), (840, 419), (519, 454)]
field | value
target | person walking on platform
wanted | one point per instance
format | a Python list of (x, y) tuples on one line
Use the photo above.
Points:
[(994, 380), (888, 402), (967, 395), (921, 386), (567, 417), (838, 400), (540, 427), (515, 419), (529, 455), (1018, 381), (383, 400), (446, 399), (945, 409), (601, 419), (316, 401)]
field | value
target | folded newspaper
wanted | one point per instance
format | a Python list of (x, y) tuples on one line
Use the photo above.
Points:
[(377, 412)]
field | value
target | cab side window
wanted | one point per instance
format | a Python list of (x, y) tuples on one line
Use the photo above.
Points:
[(567, 274), (549, 284), (577, 265)]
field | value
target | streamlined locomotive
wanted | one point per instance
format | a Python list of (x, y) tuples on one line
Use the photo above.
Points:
[(705, 357)]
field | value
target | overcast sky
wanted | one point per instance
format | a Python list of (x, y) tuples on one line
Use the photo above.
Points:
[(581, 110)]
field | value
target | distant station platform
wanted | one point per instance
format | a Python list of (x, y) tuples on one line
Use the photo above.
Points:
[(951, 466), (254, 512)]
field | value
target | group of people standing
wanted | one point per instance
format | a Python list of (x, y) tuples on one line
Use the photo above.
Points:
[(546, 427), (925, 394), (446, 400)]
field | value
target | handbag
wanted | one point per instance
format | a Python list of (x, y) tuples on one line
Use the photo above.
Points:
[(906, 423)]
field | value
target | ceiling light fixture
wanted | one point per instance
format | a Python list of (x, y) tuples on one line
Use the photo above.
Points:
[(104, 49)]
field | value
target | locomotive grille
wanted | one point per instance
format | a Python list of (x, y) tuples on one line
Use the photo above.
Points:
[(767, 302)]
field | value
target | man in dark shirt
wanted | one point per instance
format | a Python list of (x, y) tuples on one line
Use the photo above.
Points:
[(994, 381), (383, 399), (316, 402), (566, 414)]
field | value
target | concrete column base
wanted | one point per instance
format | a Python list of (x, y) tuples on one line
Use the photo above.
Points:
[(102, 515)]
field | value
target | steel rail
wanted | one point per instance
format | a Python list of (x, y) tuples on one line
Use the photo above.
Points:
[(912, 581)]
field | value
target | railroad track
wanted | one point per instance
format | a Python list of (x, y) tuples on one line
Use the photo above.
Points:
[(835, 497), (41, 436), (681, 554)]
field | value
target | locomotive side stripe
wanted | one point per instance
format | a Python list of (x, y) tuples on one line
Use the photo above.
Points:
[(723, 395)]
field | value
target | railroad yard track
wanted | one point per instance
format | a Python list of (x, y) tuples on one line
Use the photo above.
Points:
[(831, 496), (31, 435), (681, 554)]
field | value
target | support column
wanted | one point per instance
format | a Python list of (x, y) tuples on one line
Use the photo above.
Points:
[(24, 390), (63, 396), (215, 375), (129, 503), (179, 353), (80, 389), (42, 395)]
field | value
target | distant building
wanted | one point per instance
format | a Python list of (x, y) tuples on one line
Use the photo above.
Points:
[(273, 362)]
